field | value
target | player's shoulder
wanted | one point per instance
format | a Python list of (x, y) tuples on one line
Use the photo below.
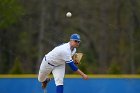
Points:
[(63, 45), (66, 48)]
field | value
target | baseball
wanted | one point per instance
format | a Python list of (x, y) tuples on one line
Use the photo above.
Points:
[(68, 14)]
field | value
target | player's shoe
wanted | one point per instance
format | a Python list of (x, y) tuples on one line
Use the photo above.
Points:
[(44, 84)]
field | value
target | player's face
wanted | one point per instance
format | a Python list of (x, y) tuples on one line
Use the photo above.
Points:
[(75, 43)]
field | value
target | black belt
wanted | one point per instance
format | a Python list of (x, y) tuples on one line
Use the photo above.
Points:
[(45, 58), (48, 62), (51, 64)]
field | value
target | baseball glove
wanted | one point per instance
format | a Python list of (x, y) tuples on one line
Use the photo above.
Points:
[(77, 57)]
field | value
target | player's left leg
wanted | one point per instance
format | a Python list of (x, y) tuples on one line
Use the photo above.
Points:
[(58, 73), (59, 89)]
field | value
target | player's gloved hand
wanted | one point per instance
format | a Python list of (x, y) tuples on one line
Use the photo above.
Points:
[(76, 62), (77, 58)]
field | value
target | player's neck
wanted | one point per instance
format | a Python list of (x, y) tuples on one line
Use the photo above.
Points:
[(71, 47)]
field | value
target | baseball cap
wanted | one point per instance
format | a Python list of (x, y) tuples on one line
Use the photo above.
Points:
[(75, 37)]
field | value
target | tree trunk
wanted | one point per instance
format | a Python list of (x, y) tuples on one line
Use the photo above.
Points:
[(103, 38), (41, 33), (135, 26)]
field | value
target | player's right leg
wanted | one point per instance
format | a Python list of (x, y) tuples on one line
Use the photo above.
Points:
[(44, 79), (44, 71)]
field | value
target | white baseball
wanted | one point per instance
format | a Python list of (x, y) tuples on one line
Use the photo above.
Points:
[(68, 14)]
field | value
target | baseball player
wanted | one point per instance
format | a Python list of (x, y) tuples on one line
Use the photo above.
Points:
[(55, 62)]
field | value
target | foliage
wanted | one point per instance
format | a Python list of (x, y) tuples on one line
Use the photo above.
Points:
[(16, 69), (10, 12), (109, 32), (114, 69)]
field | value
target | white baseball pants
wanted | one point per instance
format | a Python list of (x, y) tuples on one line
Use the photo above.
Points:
[(57, 71)]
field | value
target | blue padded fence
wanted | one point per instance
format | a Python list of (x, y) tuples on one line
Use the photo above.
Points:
[(72, 85)]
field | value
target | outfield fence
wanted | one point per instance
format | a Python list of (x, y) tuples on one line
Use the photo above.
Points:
[(73, 84)]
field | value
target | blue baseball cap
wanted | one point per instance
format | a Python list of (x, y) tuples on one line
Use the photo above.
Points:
[(75, 37)]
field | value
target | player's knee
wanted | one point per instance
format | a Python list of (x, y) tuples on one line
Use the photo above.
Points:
[(58, 81), (41, 78)]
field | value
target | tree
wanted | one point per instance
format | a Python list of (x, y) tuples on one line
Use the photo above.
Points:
[(16, 69), (10, 12)]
